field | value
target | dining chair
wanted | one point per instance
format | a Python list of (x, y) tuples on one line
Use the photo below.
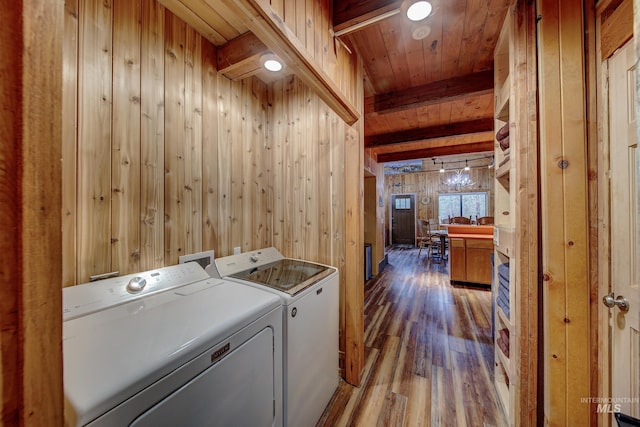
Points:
[(459, 220), (424, 240), (485, 220)]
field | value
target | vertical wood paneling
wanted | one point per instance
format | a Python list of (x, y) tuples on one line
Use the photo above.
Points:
[(236, 132), (31, 40), (324, 189), (297, 132), (192, 138), (310, 24), (247, 157), (70, 136), (338, 171), (225, 141), (301, 16), (94, 139), (210, 159), (313, 196), (152, 136), (566, 296), (429, 185), (125, 145), (174, 160), (262, 159), (275, 130)]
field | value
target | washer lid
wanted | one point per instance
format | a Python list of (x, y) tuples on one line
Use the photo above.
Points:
[(111, 355), (288, 275)]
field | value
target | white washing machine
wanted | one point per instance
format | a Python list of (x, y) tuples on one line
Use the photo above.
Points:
[(309, 294), (172, 347)]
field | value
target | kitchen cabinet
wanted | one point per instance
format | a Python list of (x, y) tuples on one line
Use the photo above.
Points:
[(470, 248)]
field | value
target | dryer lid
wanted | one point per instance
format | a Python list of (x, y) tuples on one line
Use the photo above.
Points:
[(288, 275)]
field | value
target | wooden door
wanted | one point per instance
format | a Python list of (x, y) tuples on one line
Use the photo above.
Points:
[(403, 219), (625, 239)]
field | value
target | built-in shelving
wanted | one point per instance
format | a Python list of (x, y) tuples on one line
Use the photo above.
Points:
[(504, 319), (505, 230), (503, 239), (502, 174)]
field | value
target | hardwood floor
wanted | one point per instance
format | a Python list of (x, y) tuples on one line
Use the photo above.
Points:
[(428, 355)]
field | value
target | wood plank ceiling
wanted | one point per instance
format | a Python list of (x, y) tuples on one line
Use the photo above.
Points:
[(424, 97), (431, 96)]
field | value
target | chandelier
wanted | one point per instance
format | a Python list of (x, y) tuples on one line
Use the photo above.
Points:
[(459, 179)]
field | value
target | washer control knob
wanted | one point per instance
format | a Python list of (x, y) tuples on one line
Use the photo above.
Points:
[(136, 284), (254, 258)]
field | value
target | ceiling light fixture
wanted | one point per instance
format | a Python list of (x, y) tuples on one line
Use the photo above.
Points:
[(419, 10), (272, 65), (466, 165), (442, 167)]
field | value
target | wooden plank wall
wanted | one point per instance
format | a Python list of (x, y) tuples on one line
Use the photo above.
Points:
[(30, 208), (142, 196), (310, 22), (565, 255), (429, 184)]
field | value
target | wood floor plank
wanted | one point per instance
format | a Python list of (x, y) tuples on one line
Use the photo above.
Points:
[(428, 352)]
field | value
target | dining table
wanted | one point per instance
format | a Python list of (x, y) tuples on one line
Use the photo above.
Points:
[(442, 234)]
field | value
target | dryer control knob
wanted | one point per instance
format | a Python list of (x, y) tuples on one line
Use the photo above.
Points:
[(136, 284), (254, 258)]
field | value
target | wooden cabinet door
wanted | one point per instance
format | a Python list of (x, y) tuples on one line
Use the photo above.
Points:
[(479, 261), (457, 260)]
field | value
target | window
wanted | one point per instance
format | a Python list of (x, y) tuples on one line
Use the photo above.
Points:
[(473, 205), (403, 203)]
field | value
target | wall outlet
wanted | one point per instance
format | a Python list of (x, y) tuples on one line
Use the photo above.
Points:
[(203, 258), (237, 250)]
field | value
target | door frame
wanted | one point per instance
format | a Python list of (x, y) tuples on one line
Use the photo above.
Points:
[(415, 213)]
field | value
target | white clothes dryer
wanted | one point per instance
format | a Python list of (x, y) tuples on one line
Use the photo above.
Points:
[(309, 294), (171, 347)]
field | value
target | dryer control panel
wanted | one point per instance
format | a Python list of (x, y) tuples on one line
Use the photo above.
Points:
[(233, 264), (88, 298)]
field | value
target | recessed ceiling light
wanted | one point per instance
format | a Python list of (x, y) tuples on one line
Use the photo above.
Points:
[(419, 10), (272, 65)]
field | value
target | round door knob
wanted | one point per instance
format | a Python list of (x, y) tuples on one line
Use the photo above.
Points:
[(620, 301)]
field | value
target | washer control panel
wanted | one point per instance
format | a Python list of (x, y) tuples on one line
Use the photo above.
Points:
[(87, 298), (246, 261)]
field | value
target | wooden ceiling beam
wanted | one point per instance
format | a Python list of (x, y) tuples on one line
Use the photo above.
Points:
[(242, 56), (265, 23), (429, 152), (352, 15), (432, 93), (438, 131)]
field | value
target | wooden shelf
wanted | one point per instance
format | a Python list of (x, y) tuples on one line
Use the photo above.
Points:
[(503, 394), (503, 317), (502, 101), (504, 239), (504, 360), (502, 174)]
